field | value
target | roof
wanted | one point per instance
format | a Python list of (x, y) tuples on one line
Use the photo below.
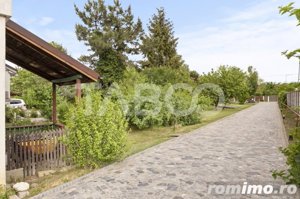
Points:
[(38, 56)]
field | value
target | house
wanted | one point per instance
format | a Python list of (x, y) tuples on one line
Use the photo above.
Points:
[(9, 72)]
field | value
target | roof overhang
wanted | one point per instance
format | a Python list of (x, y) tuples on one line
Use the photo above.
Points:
[(38, 56)]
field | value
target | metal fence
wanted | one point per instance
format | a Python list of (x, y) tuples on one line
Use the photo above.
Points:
[(293, 99)]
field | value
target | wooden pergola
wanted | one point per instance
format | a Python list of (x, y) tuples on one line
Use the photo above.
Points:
[(36, 55)]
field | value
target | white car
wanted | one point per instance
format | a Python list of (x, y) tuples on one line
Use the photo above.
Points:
[(17, 103)]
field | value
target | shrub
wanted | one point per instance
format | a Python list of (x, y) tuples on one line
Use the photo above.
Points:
[(62, 109), (292, 152), (181, 101), (12, 116), (205, 103), (139, 111), (9, 115), (20, 112), (95, 137), (144, 111), (142, 120), (34, 113)]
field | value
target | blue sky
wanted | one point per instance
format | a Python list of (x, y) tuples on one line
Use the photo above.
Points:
[(211, 33)]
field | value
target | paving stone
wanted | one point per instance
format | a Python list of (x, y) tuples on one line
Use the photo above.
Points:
[(240, 148)]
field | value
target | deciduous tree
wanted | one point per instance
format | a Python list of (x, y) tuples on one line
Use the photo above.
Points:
[(231, 79), (252, 76)]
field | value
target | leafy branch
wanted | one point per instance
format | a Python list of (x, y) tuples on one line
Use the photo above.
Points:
[(292, 11)]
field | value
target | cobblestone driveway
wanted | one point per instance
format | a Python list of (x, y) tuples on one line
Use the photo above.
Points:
[(242, 147)]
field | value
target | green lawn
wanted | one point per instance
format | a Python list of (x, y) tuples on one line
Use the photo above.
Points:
[(138, 140)]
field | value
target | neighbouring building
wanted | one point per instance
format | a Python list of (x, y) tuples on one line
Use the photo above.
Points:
[(9, 72)]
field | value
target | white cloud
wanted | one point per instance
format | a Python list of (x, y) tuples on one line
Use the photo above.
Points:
[(255, 36)]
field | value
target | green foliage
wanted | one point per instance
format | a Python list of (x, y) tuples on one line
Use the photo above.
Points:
[(15, 117), (159, 46), (62, 110), (181, 100), (252, 80), (37, 94), (148, 108), (292, 152), (194, 75), (206, 102), (21, 122), (111, 34), (143, 120), (268, 88), (34, 90), (34, 113), (6, 192), (111, 66), (144, 115), (10, 114), (59, 47), (163, 76), (292, 11), (211, 96), (271, 88), (232, 80), (95, 137)]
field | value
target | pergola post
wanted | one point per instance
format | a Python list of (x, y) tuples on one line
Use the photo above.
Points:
[(78, 89), (54, 105), (5, 12)]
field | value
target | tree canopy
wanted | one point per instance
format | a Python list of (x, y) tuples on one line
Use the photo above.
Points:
[(111, 34), (159, 46), (59, 47), (231, 79), (252, 80)]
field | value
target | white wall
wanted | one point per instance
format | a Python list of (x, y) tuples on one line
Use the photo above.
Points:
[(7, 85), (5, 13), (2, 101)]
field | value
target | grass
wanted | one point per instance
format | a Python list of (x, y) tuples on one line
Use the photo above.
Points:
[(5, 193), (138, 140), (290, 120), (53, 180)]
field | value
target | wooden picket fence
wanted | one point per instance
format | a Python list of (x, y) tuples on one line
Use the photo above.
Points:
[(35, 151)]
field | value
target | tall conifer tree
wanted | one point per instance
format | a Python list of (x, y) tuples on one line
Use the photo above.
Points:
[(159, 46)]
